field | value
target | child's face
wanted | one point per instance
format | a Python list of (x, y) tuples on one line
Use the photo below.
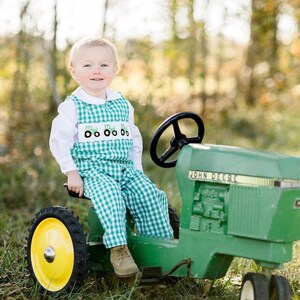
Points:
[(94, 69)]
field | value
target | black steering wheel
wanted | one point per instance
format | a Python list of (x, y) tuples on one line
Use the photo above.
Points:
[(177, 141)]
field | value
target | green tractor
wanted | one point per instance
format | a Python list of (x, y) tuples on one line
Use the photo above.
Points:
[(124, 130), (89, 131), (108, 130), (235, 203)]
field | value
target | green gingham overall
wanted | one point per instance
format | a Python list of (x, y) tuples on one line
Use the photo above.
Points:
[(110, 179)]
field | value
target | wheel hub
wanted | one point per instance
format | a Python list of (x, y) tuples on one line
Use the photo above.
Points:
[(49, 254)]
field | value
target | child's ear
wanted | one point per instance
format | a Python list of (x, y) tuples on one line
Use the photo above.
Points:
[(72, 72)]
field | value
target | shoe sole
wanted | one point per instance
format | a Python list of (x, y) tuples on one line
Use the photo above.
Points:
[(126, 275)]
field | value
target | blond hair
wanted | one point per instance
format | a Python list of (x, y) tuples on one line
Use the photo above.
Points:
[(93, 42)]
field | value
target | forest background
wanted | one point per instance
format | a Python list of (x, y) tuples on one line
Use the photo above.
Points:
[(235, 63)]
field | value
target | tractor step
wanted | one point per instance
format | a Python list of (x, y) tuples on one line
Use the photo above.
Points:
[(150, 275)]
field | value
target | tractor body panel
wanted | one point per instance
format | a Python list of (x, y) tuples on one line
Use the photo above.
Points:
[(245, 199), (235, 203)]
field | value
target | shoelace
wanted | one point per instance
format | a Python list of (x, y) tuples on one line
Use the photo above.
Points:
[(123, 253)]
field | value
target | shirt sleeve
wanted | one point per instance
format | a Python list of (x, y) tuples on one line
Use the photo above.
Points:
[(136, 151), (63, 134)]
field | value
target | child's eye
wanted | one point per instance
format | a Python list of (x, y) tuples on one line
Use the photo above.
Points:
[(86, 65), (104, 65)]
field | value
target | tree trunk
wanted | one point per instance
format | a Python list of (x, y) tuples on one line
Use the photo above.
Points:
[(263, 47), (220, 57), (192, 43), (104, 17), (51, 58), (19, 96), (203, 67)]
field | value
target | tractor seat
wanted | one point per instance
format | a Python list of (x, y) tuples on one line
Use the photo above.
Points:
[(73, 194)]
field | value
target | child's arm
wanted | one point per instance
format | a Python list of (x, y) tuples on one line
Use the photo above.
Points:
[(137, 148), (62, 137)]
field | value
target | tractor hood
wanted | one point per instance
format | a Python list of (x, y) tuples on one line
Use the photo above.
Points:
[(227, 160)]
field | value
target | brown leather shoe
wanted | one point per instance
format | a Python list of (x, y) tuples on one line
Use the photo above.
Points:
[(122, 261)]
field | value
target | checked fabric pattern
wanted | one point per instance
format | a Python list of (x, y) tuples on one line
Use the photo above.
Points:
[(92, 154), (112, 183)]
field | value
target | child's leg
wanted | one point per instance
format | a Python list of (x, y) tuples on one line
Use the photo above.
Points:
[(109, 205), (147, 204), (107, 200)]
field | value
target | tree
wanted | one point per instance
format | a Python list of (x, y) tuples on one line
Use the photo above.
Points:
[(262, 53), (51, 58), (19, 96), (104, 18)]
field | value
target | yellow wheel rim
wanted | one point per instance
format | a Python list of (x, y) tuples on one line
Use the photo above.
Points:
[(52, 254)]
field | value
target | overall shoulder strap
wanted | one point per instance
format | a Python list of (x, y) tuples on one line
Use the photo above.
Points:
[(82, 113)]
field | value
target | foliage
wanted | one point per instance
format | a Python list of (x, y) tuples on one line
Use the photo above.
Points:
[(247, 94)]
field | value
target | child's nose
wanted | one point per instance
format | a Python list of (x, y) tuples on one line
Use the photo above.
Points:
[(97, 70)]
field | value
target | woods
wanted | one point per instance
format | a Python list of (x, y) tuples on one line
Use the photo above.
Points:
[(235, 63), (231, 80)]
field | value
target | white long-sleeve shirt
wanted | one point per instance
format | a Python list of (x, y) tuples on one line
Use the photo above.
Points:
[(64, 130)]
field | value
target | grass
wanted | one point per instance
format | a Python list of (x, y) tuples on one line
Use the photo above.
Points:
[(15, 282)]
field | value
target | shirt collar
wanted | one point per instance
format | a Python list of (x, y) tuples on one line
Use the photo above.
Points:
[(84, 96)]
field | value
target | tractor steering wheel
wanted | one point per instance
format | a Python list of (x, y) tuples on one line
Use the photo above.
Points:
[(177, 141)]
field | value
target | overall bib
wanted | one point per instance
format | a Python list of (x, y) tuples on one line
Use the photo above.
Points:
[(110, 179)]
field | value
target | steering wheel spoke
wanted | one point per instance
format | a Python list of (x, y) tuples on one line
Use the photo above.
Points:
[(178, 140), (194, 140), (168, 153), (177, 132)]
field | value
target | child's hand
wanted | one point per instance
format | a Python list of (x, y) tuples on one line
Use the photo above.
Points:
[(75, 183)]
